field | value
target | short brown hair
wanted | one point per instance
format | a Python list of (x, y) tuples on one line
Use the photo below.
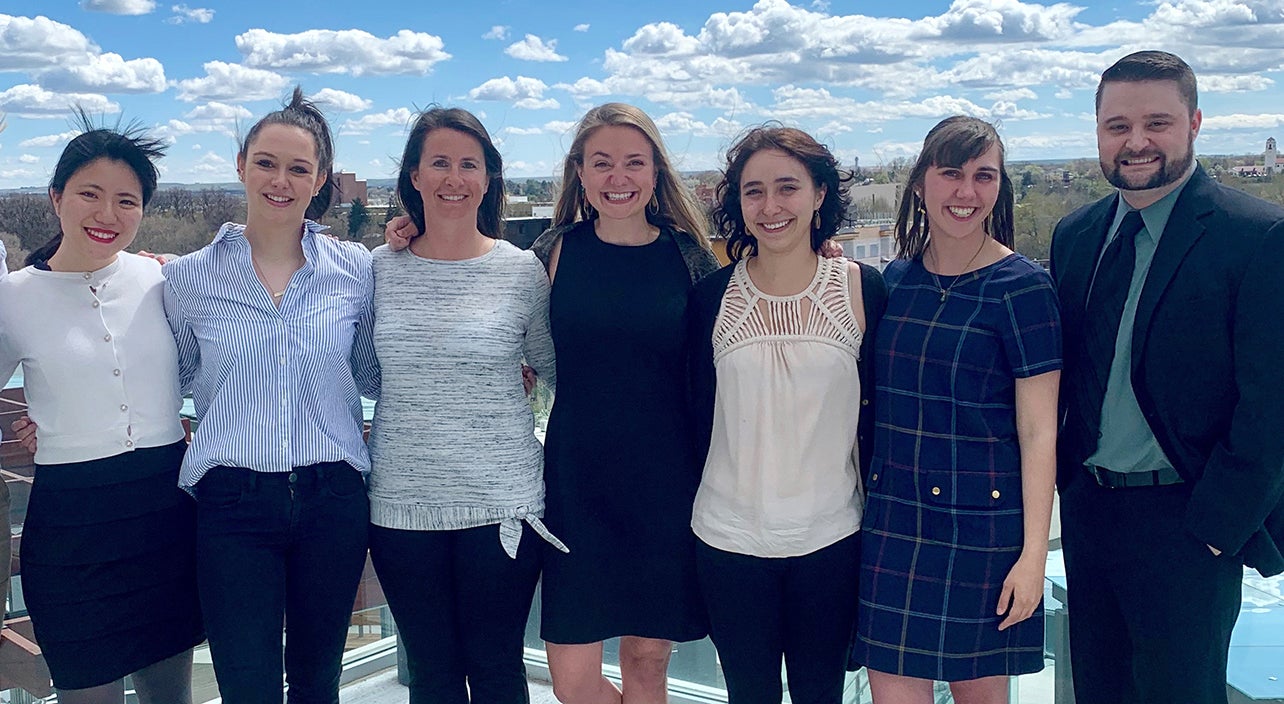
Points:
[(1153, 66)]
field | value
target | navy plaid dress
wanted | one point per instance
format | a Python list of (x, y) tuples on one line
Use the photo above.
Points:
[(943, 523)]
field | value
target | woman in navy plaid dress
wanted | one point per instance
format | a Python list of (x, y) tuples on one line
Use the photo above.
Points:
[(955, 532)]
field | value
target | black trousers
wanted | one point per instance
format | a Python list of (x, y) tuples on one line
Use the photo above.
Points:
[(1151, 608), (461, 605), (276, 549), (800, 608)]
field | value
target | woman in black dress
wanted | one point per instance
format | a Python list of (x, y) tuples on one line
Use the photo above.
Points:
[(627, 244)]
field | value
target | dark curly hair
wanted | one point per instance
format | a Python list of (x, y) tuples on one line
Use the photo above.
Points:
[(953, 142), (728, 218)]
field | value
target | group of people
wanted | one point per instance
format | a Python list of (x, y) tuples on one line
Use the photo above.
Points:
[(811, 461)]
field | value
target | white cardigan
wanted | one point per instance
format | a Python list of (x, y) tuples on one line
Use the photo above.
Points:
[(97, 355)]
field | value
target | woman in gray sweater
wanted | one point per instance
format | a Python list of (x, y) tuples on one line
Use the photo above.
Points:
[(457, 489)]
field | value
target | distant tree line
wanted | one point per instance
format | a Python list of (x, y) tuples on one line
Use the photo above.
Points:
[(182, 220)]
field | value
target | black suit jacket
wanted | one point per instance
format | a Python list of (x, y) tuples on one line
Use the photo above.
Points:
[(1207, 350)]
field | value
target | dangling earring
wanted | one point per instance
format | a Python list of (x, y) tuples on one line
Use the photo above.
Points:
[(585, 207), (653, 208), (815, 220)]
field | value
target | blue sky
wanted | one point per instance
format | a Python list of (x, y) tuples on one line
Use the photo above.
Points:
[(868, 78)]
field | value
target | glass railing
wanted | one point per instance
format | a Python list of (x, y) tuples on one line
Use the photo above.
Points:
[(695, 675)]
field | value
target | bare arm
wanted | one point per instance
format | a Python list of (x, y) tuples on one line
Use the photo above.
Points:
[(1036, 416)]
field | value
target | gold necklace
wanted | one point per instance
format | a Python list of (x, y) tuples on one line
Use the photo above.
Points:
[(945, 290), (276, 295)]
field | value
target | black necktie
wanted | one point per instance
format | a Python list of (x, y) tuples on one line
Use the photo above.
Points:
[(1102, 316)]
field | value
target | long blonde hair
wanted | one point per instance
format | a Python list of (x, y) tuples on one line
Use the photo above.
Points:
[(678, 209)]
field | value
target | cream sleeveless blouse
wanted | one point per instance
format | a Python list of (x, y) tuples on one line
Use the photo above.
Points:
[(781, 478)]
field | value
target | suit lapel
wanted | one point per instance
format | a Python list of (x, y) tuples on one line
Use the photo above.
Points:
[(1082, 252), (1183, 230)]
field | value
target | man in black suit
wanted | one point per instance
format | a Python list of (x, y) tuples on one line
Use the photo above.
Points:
[(1171, 456)]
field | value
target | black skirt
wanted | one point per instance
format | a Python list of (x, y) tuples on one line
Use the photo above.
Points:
[(108, 565)]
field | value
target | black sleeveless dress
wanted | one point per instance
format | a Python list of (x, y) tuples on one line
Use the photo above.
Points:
[(619, 467)]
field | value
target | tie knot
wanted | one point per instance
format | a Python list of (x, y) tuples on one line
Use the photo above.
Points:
[(1131, 225)]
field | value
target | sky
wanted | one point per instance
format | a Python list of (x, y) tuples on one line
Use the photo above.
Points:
[(866, 78)]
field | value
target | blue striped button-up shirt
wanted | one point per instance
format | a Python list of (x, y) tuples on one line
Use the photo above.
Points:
[(274, 388)]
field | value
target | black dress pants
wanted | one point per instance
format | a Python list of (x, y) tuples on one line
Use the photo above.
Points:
[(1151, 608)]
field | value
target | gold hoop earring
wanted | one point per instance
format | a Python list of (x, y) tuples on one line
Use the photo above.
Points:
[(815, 220), (653, 207)]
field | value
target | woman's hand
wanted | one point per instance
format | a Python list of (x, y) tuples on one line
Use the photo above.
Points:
[(528, 379), (830, 249), (1022, 590), (25, 431), (160, 258), (398, 232)]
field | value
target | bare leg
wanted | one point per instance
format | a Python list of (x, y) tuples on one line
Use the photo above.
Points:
[(110, 693), (644, 669), (983, 690), (166, 682), (577, 674), (887, 688)]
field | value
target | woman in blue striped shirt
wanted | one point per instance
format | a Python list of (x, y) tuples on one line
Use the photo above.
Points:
[(273, 323)]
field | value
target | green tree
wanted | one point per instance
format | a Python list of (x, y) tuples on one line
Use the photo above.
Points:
[(358, 218)]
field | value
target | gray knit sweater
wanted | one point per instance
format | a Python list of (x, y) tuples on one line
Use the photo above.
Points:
[(452, 442)]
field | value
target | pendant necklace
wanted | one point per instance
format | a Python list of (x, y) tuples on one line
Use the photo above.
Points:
[(945, 290), (276, 295)]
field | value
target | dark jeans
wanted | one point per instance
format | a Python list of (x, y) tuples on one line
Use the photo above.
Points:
[(461, 605), (274, 546), (1151, 608), (799, 608)]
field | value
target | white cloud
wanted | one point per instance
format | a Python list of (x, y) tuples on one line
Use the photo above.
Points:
[(1234, 84), (26, 100), (211, 164), (28, 43), (559, 127), (107, 73), (499, 31), (1239, 121), (119, 7), (184, 14), (1012, 94), (340, 101), (215, 110), (582, 27), (50, 140), (29, 158), (684, 123), (397, 117), (522, 92), (233, 82), (532, 48), (350, 51), (585, 88), (1002, 21)]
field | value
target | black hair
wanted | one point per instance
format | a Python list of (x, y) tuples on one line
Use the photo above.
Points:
[(728, 218), (1153, 66), (490, 214), (302, 113), (129, 144), (953, 142)]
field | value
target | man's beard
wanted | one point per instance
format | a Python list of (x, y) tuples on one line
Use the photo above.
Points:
[(1169, 171)]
